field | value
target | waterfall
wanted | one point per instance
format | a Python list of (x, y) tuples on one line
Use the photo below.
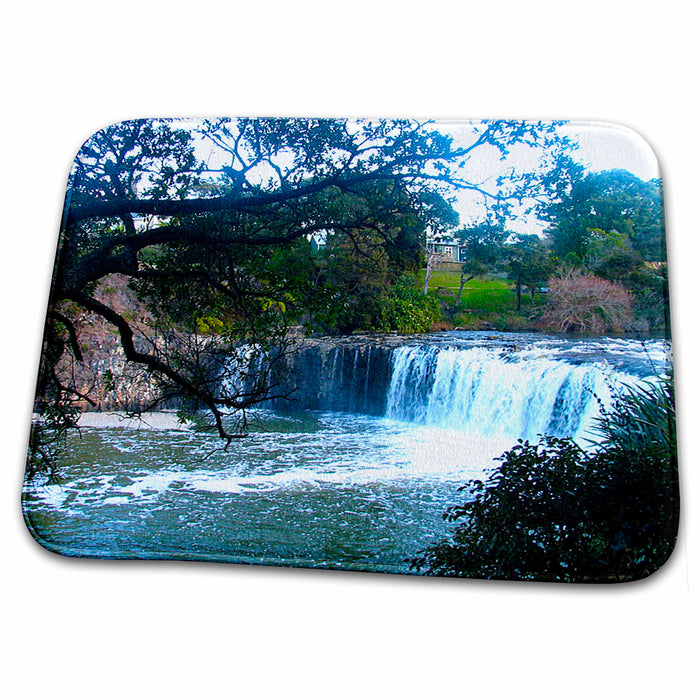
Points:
[(489, 391), (515, 386), (350, 377)]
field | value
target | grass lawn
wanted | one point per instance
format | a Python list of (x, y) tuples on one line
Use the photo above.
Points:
[(485, 301), (494, 295)]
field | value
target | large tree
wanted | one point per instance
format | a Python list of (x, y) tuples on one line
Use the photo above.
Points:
[(615, 202), (209, 223)]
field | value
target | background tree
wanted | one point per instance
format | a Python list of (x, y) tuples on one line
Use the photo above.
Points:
[(609, 254), (483, 250), (611, 201), (529, 264)]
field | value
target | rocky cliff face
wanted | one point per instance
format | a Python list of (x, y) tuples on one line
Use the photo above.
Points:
[(104, 375), (337, 374)]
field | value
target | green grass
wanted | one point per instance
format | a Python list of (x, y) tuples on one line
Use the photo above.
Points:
[(492, 295), (485, 303), (443, 278)]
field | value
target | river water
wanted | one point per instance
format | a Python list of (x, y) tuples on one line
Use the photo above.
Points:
[(334, 489)]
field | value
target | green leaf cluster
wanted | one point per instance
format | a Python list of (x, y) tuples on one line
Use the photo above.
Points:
[(406, 310)]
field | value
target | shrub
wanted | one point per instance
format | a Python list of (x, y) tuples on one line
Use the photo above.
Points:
[(640, 417), (583, 303), (407, 310)]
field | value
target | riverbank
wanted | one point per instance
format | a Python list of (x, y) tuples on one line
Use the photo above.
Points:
[(155, 420)]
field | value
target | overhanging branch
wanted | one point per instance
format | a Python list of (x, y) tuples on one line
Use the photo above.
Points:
[(242, 401)]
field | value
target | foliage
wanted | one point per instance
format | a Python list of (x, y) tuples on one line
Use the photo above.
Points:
[(583, 303), (406, 310), (553, 512), (376, 306), (610, 201), (529, 264), (610, 255), (640, 416), (651, 299)]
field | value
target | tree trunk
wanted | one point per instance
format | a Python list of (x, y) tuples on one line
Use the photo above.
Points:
[(519, 294), (430, 260), (462, 281)]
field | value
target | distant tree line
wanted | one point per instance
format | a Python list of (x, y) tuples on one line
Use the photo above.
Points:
[(601, 258)]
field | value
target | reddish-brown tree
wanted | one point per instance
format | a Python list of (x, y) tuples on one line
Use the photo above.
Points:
[(583, 303)]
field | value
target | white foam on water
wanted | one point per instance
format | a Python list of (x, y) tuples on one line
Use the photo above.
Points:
[(451, 453), (357, 450), (53, 495)]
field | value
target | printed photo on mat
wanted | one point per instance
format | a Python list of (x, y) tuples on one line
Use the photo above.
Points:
[(377, 345)]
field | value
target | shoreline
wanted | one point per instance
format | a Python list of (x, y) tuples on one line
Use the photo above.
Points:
[(151, 420)]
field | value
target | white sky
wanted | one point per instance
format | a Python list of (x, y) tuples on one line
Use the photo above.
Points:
[(605, 146)]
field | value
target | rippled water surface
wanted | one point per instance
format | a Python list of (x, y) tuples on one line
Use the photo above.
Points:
[(321, 490)]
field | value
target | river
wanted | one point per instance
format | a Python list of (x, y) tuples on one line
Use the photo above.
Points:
[(314, 485)]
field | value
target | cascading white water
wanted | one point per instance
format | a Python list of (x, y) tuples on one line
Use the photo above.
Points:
[(509, 385), (491, 391)]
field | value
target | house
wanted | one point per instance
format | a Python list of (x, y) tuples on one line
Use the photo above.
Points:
[(449, 251)]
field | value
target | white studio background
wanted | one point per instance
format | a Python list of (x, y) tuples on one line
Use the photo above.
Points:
[(87, 629)]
